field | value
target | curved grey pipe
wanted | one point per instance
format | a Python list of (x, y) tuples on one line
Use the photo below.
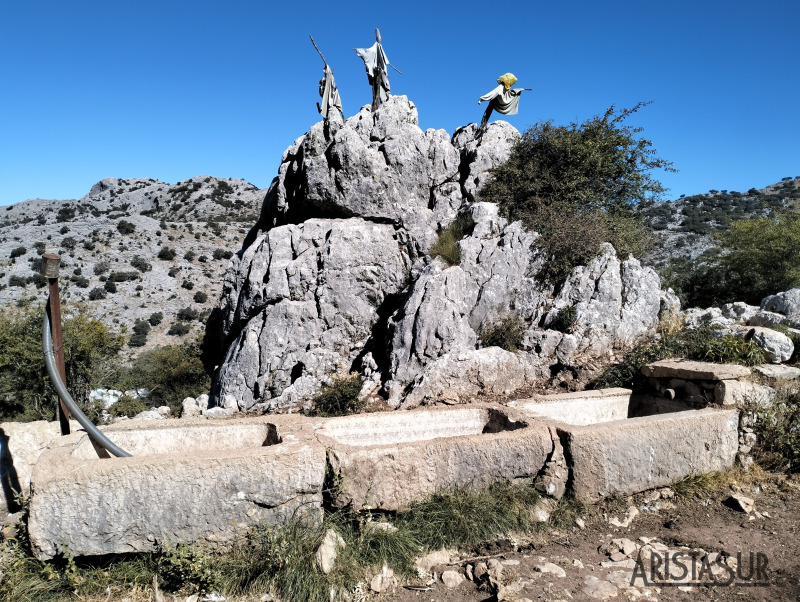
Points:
[(55, 377)]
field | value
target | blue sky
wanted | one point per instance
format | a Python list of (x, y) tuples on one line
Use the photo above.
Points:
[(173, 89)]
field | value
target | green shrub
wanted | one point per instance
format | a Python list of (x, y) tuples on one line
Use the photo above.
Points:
[(127, 406), (171, 373), (703, 344), (18, 252), (15, 280), (189, 255), (506, 334), (137, 340), (566, 319), (187, 314), (222, 254), (187, 569), (65, 214), (755, 258), (123, 276), (166, 254), (579, 186), (339, 398), (155, 318), (25, 389), (178, 329), (187, 284), (140, 264), (125, 227), (97, 293), (200, 297), (446, 246), (110, 286), (777, 430)]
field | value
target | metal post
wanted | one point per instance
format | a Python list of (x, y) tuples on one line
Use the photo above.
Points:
[(51, 265)]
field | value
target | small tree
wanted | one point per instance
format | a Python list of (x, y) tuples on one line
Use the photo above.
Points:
[(578, 186)]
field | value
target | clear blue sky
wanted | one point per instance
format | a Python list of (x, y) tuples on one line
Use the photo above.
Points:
[(173, 89)]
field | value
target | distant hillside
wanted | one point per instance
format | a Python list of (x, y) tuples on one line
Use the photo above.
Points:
[(132, 248), (684, 227)]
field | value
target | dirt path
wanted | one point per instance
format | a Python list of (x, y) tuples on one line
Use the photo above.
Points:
[(703, 527)]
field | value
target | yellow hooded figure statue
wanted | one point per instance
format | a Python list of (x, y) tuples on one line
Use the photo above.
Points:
[(502, 99)]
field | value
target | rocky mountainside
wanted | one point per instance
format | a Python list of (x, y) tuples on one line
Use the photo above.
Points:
[(684, 227), (131, 248), (337, 276)]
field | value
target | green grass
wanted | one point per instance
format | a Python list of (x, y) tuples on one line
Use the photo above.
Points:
[(700, 486), (446, 246)]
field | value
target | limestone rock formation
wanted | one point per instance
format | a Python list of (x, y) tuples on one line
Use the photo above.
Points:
[(300, 304), (336, 275)]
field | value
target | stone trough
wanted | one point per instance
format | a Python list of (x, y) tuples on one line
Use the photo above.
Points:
[(390, 460), (208, 481), (618, 444), (204, 482)]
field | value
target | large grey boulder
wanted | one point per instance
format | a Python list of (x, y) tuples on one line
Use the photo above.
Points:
[(300, 304), (786, 303)]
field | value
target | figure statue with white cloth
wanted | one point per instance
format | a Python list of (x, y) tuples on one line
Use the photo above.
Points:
[(376, 62), (502, 99), (328, 92)]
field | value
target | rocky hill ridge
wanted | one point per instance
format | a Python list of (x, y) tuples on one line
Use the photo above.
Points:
[(131, 248)]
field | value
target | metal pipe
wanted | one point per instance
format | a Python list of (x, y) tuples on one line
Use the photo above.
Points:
[(50, 361)]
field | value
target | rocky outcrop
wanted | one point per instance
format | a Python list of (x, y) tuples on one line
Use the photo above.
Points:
[(336, 276)]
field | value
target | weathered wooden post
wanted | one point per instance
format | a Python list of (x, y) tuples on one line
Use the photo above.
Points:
[(51, 266)]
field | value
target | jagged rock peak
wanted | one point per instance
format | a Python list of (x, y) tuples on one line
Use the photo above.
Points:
[(382, 167)]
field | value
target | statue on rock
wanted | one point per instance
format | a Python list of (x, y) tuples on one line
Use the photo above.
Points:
[(502, 99), (329, 93), (376, 62)]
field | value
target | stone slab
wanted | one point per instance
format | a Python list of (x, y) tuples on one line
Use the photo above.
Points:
[(579, 408), (392, 476), (692, 370), (777, 372), (628, 456), (120, 505), (739, 393)]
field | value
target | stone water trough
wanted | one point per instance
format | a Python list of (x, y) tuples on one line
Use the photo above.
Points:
[(617, 444), (197, 482), (208, 481)]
